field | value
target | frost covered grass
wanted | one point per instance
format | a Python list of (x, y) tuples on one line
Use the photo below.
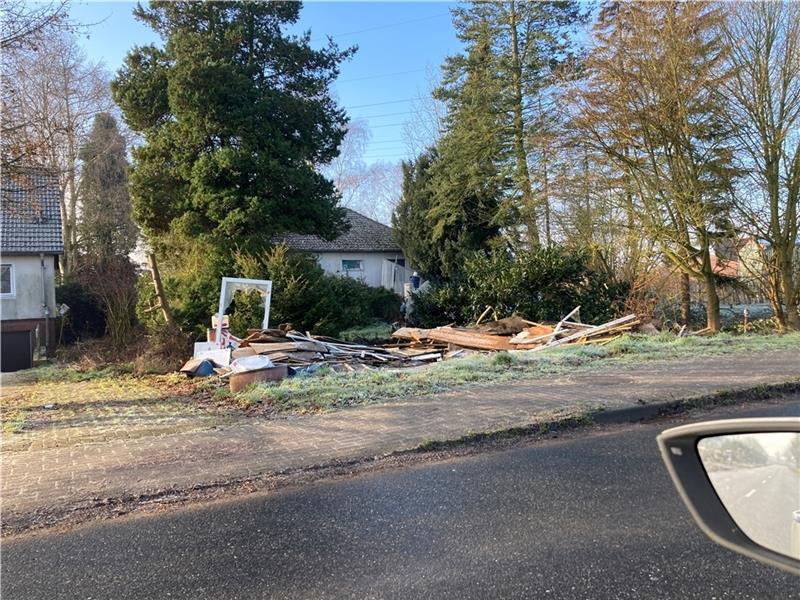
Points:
[(327, 390)]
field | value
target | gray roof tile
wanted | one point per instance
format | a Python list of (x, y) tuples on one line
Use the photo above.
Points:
[(30, 215), (364, 235)]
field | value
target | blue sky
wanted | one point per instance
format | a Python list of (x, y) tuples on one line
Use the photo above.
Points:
[(400, 44)]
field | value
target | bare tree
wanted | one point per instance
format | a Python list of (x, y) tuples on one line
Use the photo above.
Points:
[(764, 41), (50, 95), (427, 117), (374, 189), (23, 20), (348, 169), (653, 105)]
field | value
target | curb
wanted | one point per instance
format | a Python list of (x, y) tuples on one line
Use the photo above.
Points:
[(616, 416), (88, 509), (655, 410)]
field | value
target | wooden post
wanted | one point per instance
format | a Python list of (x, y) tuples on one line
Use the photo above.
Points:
[(162, 298)]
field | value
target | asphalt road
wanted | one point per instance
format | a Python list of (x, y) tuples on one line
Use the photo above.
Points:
[(592, 515), (762, 501)]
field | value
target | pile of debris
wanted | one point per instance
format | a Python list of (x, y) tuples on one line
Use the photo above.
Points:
[(515, 333), (272, 354), (298, 350)]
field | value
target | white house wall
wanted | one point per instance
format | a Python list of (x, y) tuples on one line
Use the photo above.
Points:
[(27, 300), (331, 262)]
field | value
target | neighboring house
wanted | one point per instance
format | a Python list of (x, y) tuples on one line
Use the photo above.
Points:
[(367, 251), (30, 244)]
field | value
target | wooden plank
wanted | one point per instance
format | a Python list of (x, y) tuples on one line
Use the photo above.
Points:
[(609, 327), (469, 339), (533, 334), (411, 333), (427, 357), (560, 325), (287, 347)]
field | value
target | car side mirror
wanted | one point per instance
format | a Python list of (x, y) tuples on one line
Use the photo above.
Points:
[(740, 480)]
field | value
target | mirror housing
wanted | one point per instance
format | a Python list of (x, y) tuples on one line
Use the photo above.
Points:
[(679, 450)]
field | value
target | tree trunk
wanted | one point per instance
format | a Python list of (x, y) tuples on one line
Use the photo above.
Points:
[(521, 157), (546, 197), (162, 298), (790, 297), (64, 264), (712, 302), (686, 299)]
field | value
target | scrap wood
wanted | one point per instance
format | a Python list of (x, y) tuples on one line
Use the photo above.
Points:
[(296, 357), (508, 326), (533, 334), (483, 314), (701, 332), (411, 333), (432, 356), (611, 326), (413, 352), (560, 324), (262, 348), (470, 339)]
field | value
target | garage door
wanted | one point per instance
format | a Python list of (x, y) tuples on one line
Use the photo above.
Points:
[(16, 350)]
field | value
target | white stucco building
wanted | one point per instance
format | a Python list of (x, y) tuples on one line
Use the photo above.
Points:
[(30, 244), (367, 251)]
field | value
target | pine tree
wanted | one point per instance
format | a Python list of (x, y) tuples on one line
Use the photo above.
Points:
[(410, 222), (236, 116), (529, 42), (467, 181), (106, 227)]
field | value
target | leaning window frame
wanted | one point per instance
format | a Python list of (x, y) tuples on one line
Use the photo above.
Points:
[(13, 281)]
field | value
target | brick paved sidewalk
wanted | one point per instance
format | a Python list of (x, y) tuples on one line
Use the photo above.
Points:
[(63, 477)]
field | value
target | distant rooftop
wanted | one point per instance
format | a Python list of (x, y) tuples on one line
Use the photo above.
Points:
[(30, 214), (364, 235)]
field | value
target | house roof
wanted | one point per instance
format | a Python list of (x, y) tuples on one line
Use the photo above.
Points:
[(364, 235), (30, 214)]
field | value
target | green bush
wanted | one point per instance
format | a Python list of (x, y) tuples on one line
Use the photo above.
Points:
[(85, 319), (306, 297), (302, 294), (542, 284)]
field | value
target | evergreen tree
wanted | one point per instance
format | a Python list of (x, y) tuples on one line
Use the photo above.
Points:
[(528, 42), (106, 227), (410, 221), (236, 116), (467, 182)]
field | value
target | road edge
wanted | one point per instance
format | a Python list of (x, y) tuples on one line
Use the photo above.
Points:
[(45, 519)]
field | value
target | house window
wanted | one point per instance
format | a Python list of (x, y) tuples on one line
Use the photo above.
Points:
[(7, 281), (352, 265)]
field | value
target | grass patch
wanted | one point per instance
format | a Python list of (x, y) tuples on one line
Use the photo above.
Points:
[(14, 421), (56, 373), (327, 390)]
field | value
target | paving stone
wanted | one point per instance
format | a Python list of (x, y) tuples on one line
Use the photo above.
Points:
[(113, 465)]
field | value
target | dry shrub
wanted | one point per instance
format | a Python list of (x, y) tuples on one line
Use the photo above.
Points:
[(112, 282), (100, 353), (164, 351)]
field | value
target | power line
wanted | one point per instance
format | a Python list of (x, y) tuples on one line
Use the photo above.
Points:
[(385, 26), (379, 76), (394, 114), (381, 103), (387, 125)]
